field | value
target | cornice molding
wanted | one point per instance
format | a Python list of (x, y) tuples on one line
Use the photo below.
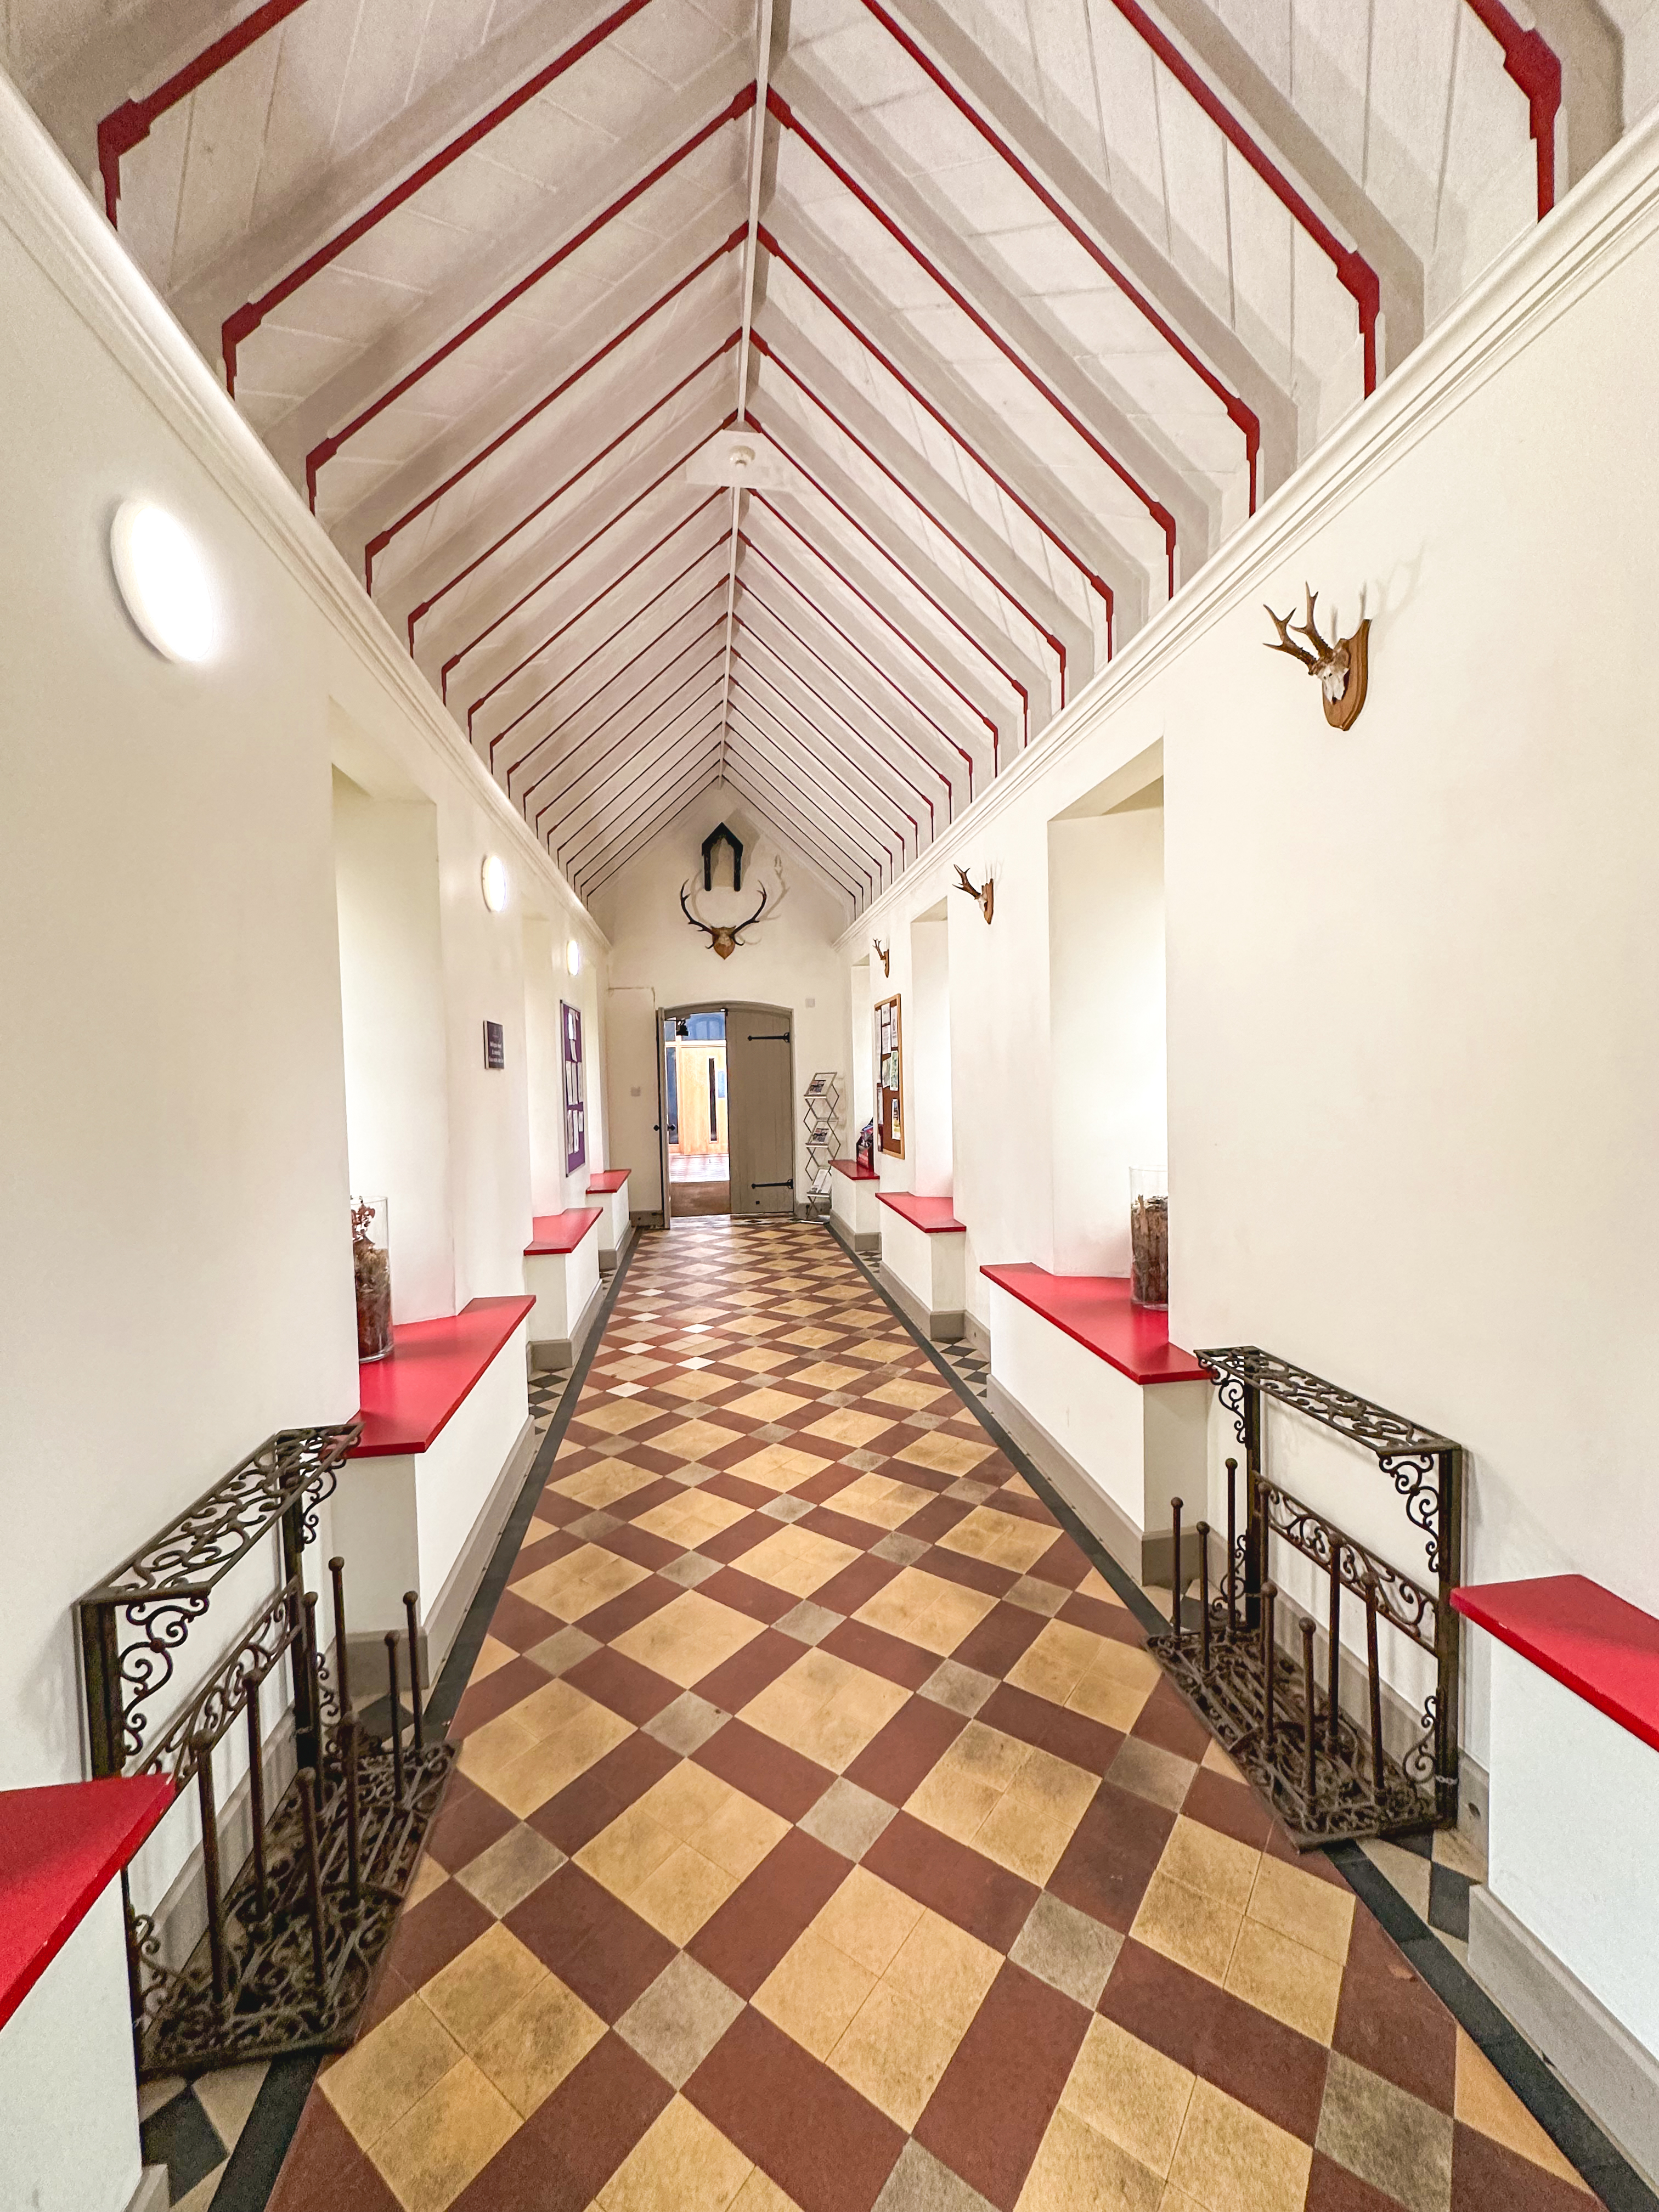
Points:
[(1607, 216), (52, 216)]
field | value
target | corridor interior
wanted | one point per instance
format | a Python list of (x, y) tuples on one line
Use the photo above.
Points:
[(825, 1837)]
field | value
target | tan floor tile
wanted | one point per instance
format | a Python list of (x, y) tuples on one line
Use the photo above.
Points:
[(845, 1424), (492, 1652), (385, 2076), (681, 1893), (527, 1782), (759, 2193), (944, 1970), (583, 1579), (868, 1919), (480, 1983), (1302, 1906), (530, 2048), (825, 1374), (878, 1499), (613, 1417), (811, 1339), (927, 1610), (1230, 2160), (428, 1876), (624, 1853), (739, 1835), (894, 2054), (750, 1324), (825, 1708), (915, 1397), (682, 2163), (1485, 2101), (1129, 2093), (955, 1801), (1104, 1698), (797, 1560), (758, 1359), (879, 1350), (1204, 1859), (947, 1455), (779, 1467), (1196, 1931), (695, 1439), (1284, 1978), (688, 1638), (1076, 2169), (813, 1992), (685, 1798), (1095, 1585), (486, 1754), (1219, 1763), (1028, 1829), (633, 1368), (1055, 1660), (770, 1404), (1002, 1539), (691, 1518), (429, 2155), (694, 1384)]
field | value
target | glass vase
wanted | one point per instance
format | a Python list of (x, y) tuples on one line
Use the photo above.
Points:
[(371, 1260), (1149, 1236)]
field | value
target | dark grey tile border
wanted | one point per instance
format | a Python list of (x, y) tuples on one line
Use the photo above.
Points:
[(1551, 2103), (249, 2175)]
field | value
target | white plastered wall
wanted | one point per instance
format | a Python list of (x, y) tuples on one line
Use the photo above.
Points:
[(789, 959), (1413, 969), (929, 1152)]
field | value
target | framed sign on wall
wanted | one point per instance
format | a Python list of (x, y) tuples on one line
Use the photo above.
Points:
[(890, 1079), (575, 1095)]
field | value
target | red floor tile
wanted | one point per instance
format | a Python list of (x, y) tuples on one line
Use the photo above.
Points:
[(1332, 2188), (800, 2122), (619, 1614), (1388, 2019), (878, 1653), (592, 1802), (993, 2103), (998, 1642), (468, 1821), (590, 1941), (732, 1683), (518, 1623), (485, 1700), (772, 1774), (324, 2170), (855, 1585), (901, 1756), (1088, 1744), (1231, 1806), (570, 2146), (748, 1594), (1164, 1721), (1486, 2177), (750, 1932), (430, 1934), (972, 1574), (1114, 1850), (627, 1688), (980, 1896)]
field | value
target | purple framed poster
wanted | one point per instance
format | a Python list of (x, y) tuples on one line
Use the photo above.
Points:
[(575, 1097)]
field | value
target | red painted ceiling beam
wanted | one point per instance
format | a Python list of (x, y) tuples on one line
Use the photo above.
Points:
[(382, 538), (245, 320), (829, 708), (327, 447), (707, 667), (129, 124), (1096, 582), (588, 543), (740, 661), (1534, 65), (770, 353), (564, 760), (846, 585), (777, 106), (621, 707), (830, 623), (944, 613), (1243, 418), (570, 621)]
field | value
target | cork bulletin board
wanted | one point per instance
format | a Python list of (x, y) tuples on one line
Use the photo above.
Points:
[(890, 1079)]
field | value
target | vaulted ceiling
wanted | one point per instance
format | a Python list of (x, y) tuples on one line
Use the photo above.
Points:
[(809, 396)]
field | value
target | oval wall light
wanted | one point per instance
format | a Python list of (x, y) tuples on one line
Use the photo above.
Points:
[(167, 586), (572, 958), (493, 879)]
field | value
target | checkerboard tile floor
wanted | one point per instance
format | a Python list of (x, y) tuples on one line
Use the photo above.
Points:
[(824, 1835)]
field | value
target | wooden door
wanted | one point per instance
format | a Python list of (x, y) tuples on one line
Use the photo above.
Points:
[(760, 1061)]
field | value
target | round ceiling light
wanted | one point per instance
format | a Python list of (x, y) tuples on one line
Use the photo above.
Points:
[(493, 878), (167, 587), (572, 958)]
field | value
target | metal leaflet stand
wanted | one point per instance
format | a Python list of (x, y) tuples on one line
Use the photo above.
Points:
[(822, 1122)]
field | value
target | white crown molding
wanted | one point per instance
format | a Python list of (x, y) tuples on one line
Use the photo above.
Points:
[(50, 213), (1611, 212)]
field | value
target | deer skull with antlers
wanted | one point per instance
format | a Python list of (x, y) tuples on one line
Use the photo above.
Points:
[(1339, 664), (723, 937)]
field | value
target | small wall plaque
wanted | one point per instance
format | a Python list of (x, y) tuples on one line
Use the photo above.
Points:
[(494, 1045)]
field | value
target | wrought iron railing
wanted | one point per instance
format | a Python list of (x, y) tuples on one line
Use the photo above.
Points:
[(1326, 1773)]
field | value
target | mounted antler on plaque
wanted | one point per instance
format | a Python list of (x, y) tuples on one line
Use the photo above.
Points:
[(1339, 666), (985, 893), (723, 937), (883, 953)]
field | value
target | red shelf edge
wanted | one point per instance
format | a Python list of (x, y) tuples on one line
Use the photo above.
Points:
[(544, 1247), (853, 1171), (151, 1795), (1488, 1606), (904, 1203), (1193, 1371), (507, 1313)]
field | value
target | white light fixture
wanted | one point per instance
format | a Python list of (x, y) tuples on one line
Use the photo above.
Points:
[(493, 879), (167, 587), (572, 958)]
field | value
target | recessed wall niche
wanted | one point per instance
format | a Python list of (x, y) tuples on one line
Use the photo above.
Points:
[(1110, 1057), (392, 1005)]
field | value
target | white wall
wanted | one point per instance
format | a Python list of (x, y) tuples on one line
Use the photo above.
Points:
[(1109, 1050), (656, 960), (1413, 969), (930, 1159)]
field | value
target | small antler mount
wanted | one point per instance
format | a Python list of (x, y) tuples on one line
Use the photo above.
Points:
[(1339, 664), (985, 893), (883, 953)]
